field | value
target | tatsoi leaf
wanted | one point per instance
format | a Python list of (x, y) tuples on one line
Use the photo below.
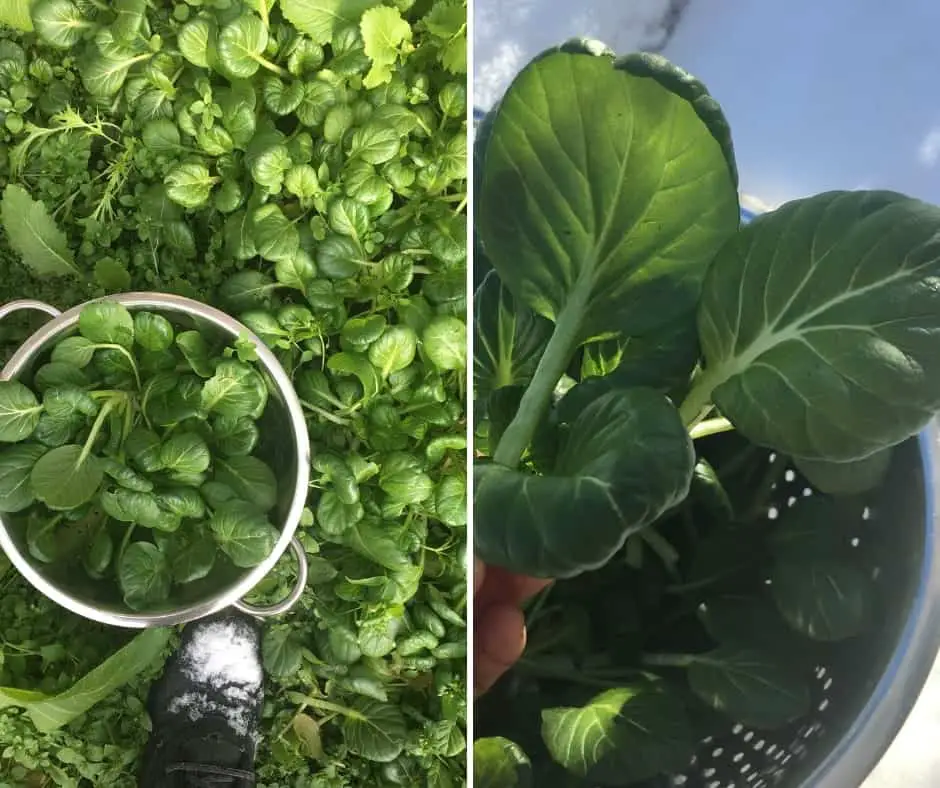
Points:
[(621, 736), (533, 524), (152, 331), (559, 223), (144, 575), (383, 33), (143, 449), (241, 44), (335, 517), (132, 506), (185, 452), (193, 41), (500, 763), (34, 235), (236, 389), (107, 322), (235, 436), (182, 501), (355, 364), (128, 19), (62, 479), (509, 338), (19, 411), (250, 478), (819, 319), (104, 75), (191, 556), (338, 257), (16, 463), (244, 534), (307, 730), (372, 540), (319, 19), (281, 98), (58, 374), (846, 478), (15, 14), (394, 350), (125, 476), (268, 168), (76, 351), (824, 600), (48, 713), (58, 22), (193, 346), (750, 686), (349, 217), (377, 732), (161, 136), (275, 235), (375, 143), (189, 185), (281, 652), (445, 342), (301, 181), (450, 501)]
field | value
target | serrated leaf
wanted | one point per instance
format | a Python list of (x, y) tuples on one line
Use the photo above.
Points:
[(34, 235), (320, 19), (383, 34)]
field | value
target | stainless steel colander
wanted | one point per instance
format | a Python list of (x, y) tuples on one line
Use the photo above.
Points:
[(284, 434), (864, 688)]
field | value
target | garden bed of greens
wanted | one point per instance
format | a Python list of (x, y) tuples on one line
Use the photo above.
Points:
[(680, 419), (302, 166)]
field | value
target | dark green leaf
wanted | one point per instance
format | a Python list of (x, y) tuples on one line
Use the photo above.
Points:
[(144, 575), (823, 600), (107, 322), (532, 524), (509, 338), (751, 687), (19, 411), (500, 763), (244, 534), (621, 736), (65, 478), (16, 464), (557, 222), (825, 308)]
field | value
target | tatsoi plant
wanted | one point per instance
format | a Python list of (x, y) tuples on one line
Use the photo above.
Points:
[(132, 457), (301, 165), (633, 344)]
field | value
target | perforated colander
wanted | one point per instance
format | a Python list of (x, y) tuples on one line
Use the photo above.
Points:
[(864, 687)]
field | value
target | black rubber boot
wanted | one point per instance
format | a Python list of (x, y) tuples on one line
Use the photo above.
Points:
[(206, 708)]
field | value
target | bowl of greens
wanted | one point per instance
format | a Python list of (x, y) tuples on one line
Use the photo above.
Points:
[(717, 439), (154, 460)]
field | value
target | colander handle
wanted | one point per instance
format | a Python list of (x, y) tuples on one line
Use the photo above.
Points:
[(291, 599), (28, 303)]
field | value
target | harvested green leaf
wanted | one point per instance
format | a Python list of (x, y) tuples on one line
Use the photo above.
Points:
[(34, 235)]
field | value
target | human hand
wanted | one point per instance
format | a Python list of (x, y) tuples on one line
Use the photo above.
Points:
[(498, 624)]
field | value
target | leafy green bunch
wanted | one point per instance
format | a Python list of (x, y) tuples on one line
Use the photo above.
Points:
[(638, 356), (321, 198), (175, 143), (129, 425)]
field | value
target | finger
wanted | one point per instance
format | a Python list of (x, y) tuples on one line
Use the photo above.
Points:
[(512, 588), (499, 640)]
